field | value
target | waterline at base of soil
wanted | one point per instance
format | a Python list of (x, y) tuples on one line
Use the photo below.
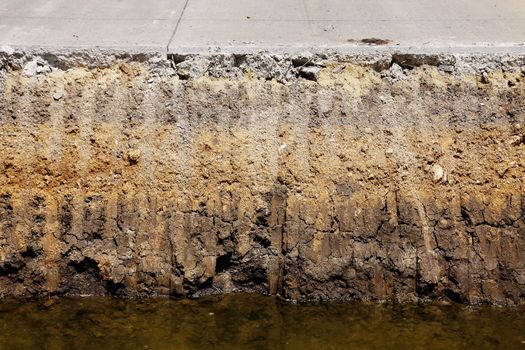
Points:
[(245, 321)]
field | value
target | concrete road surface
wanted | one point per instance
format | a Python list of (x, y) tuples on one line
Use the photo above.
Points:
[(249, 25)]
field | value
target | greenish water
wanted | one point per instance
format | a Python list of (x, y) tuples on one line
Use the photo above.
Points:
[(253, 322)]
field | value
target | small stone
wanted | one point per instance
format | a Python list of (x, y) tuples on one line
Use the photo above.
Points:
[(126, 69), (439, 173), (183, 74), (30, 68), (485, 78), (389, 151), (310, 72), (396, 72), (133, 156), (58, 95), (34, 67), (192, 68), (444, 223)]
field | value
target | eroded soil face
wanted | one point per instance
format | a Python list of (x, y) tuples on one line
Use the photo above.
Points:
[(367, 182)]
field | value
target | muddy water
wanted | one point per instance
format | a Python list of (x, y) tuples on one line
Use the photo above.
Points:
[(253, 322)]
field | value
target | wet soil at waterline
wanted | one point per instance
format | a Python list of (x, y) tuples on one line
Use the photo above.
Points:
[(246, 321)]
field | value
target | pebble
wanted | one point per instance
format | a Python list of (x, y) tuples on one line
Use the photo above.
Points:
[(396, 72), (485, 78), (29, 69), (439, 173), (58, 95), (444, 224), (126, 69), (310, 72), (134, 156), (34, 67)]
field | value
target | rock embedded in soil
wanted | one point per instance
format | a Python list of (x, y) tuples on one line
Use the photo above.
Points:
[(439, 173), (222, 173)]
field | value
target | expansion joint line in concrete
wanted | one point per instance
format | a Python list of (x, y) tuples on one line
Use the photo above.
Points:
[(177, 25)]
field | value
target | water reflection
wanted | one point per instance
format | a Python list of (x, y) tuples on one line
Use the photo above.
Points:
[(253, 322)]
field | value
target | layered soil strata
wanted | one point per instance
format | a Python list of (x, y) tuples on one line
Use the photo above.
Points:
[(315, 177)]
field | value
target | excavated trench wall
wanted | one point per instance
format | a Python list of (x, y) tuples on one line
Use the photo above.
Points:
[(315, 177)]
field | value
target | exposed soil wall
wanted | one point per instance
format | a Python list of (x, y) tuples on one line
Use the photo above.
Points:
[(318, 177)]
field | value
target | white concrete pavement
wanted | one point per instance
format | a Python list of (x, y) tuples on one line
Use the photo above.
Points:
[(181, 26), (119, 24)]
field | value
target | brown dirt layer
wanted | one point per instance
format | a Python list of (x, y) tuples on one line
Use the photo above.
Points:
[(356, 181)]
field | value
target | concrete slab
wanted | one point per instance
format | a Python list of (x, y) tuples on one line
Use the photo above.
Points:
[(197, 26), (130, 24), (295, 25)]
